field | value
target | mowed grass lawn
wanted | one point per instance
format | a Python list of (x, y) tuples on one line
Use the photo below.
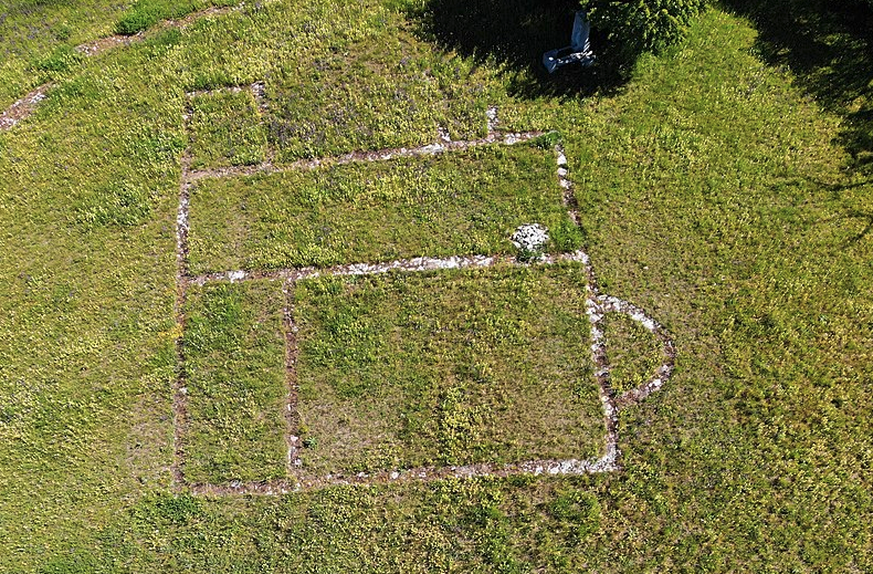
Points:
[(713, 192)]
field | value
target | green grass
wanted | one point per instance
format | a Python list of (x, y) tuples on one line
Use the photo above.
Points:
[(634, 353), (447, 526), (226, 130), (406, 370), (235, 378), (37, 38), (458, 203), (389, 91), (35, 33), (254, 44), (724, 194), (736, 230), (86, 339)]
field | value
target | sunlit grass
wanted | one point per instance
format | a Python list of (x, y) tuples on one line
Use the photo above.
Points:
[(450, 204), (712, 195), (407, 370), (234, 348)]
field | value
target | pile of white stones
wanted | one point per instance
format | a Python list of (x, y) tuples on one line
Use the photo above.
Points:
[(530, 239)]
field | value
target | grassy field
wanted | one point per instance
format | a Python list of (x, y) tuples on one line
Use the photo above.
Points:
[(725, 188), (387, 91), (38, 37), (234, 349), (451, 204), (226, 130), (403, 370)]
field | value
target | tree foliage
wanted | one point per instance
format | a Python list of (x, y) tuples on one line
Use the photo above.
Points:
[(637, 26)]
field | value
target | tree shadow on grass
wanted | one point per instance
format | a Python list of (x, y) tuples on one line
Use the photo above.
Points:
[(516, 33), (828, 46)]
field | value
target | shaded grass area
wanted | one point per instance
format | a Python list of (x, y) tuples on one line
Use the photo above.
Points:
[(447, 368), (458, 203), (634, 353), (235, 378), (511, 36), (226, 130), (828, 47)]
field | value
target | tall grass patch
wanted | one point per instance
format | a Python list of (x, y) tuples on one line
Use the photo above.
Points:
[(404, 370)]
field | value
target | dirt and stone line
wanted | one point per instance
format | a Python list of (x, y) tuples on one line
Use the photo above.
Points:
[(442, 144), (257, 90), (303, 481), (26, 106), (23, 107), (180, 399), (415, 264), (436, 148), (596, 306), (569, 196), (611, 457), (292, 417)]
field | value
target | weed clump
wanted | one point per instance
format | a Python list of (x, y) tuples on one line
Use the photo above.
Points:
[(59, 61), (143, 15), (146, 13), (548, 140)]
